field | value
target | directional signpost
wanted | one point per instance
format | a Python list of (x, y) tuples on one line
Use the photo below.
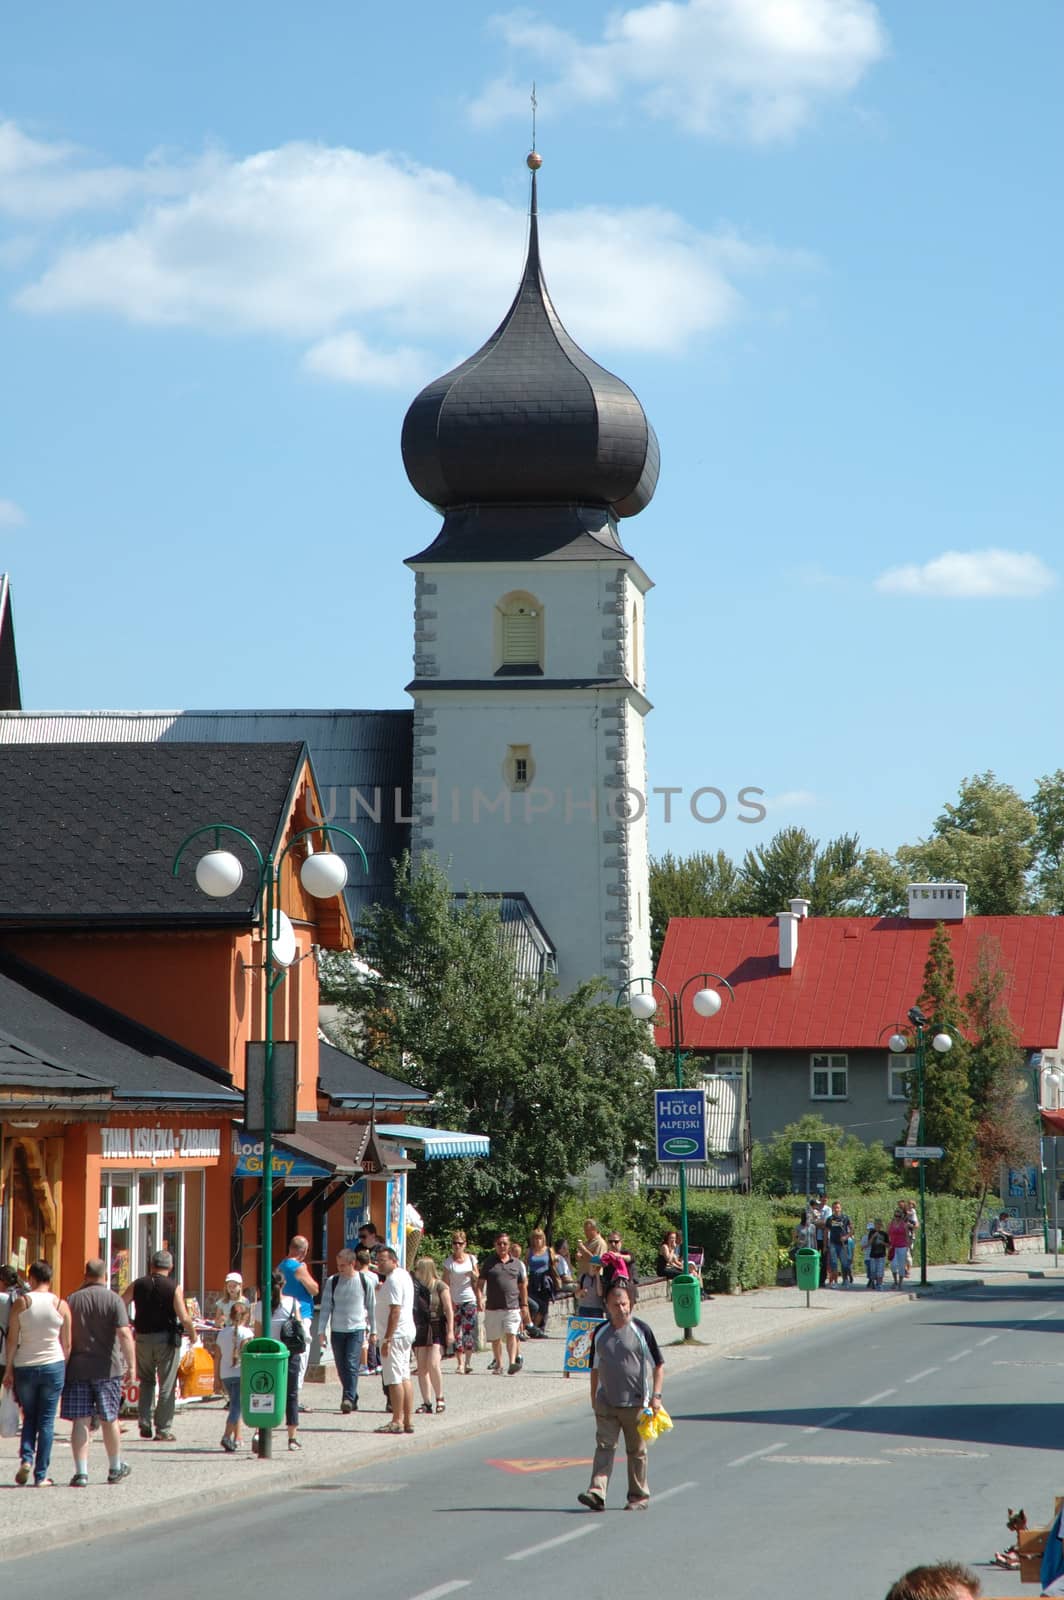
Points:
[(680, 1124), (918, 1152)]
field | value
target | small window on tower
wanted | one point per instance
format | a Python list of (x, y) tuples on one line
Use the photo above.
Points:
[(519, 636), (519, 767)]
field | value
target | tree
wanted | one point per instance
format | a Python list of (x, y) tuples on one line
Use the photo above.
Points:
[(702, 885), (949, 1112), (1047, 807), (778, 871), (850, 1163), (558, 1083), (986, 840), (1005, 1131)]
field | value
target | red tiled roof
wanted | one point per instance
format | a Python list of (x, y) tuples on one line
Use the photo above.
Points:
[(853, 977)]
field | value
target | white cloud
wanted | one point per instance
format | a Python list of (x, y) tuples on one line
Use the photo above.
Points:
[(11, 515), (754, 69), (790, 800), (971, 575), (40, 181), (371, 256)]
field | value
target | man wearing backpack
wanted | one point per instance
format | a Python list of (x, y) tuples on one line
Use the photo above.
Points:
[(627, 1369), (347, 1310)]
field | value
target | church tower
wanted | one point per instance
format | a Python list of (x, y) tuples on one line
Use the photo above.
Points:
[(529, 680)]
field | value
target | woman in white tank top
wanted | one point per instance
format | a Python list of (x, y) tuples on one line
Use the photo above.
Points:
[(38, 1344)]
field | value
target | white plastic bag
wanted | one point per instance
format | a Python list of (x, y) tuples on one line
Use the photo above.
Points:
[(10, 1419)]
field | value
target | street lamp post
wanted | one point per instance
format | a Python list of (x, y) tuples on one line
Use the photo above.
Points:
[(219, 874), (640, 995), (941, 1042)]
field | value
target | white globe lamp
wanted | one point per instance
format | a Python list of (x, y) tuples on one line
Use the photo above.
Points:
[(642, 1006), (898, 1043), (323, 875), (284, 939), (942, 1042), (706, 1002), (219, 873)]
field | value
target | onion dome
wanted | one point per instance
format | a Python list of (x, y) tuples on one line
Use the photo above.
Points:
[(530, 419)]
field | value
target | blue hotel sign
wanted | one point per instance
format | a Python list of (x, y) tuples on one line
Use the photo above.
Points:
[(680, 1124)]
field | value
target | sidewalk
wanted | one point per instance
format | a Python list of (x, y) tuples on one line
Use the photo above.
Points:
[(174, 1479)]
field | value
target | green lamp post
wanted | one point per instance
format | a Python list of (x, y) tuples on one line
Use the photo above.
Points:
[(642, 996), (219, 873), (941, 1042)]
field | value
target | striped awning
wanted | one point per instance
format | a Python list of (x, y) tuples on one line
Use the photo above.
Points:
[(438, 1144)]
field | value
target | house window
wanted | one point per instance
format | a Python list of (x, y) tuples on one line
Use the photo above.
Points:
[(519, 769), (519, 635), (898, 1070), (828, 1077), (727, 1061)]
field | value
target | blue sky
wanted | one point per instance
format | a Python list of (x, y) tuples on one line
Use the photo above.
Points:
[(820, 238)]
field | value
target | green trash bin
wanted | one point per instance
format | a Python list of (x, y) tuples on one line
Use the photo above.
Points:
[(263, 1382), (687, 1300), (807, 1268)]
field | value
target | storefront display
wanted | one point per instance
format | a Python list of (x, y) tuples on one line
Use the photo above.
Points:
[(141, 1212)]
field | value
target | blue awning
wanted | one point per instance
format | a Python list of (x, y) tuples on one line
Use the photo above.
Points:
[(438, 1143)]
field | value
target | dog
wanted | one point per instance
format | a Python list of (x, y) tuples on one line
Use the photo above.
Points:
[(1010, 1558)]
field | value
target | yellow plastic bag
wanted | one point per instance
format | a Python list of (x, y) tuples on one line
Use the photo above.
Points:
[(651, 1426)]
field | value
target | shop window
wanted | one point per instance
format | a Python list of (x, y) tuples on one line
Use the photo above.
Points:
[(829, 1077), (518, 635), (141, 1212)]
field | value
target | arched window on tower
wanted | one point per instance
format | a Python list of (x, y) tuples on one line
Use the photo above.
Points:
[(518, 636)]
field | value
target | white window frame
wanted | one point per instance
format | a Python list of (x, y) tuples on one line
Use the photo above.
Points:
[(834, 1063), (902, 1063), (516, 753), (728, 1063)]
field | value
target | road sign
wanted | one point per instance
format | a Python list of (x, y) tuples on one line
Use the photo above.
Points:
[(919, 1152), (680, 1124)]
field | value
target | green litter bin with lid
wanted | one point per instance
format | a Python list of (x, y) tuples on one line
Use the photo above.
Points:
[(263, 1383), (807, 1268), (687, 1300)]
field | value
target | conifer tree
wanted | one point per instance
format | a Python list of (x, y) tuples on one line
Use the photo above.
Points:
[(949, 1112), (1006, 1133)]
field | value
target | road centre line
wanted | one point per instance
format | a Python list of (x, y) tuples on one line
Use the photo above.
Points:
[(1043, 1315), (872, 1398), (918, 1375), (829, 1422), (960, 1354), (677, 1488), (741, 1461), (549, 1544), (443, 1588), (979, 1343)]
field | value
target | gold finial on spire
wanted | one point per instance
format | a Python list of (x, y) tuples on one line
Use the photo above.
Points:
[(534, 160)]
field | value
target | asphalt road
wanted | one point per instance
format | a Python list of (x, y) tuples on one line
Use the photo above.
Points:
[(819, 1465)]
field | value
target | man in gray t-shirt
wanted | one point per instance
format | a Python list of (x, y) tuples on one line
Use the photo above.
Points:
[(627, 1369), (101, 1350)]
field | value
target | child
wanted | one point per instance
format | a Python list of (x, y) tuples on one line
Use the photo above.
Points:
[(231, 1341)]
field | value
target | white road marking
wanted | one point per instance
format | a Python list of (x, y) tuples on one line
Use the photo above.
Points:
[(1028, 1363), (932, 1450), (443, 1588), (740, 1461), (958, 1357), (825, 1461), (744, 1358), (1043, 1315), (828, 1422), (677, 1488), (979, 1343), (550, 1544), (918, 1375), (872, 1398)]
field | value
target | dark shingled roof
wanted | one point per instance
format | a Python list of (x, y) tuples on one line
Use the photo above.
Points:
[(56, 1041), (348, 1081), (526, 533), (91, 830), (530, 420)]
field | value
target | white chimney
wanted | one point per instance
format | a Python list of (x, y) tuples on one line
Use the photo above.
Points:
[(800, 908), (788, 924)]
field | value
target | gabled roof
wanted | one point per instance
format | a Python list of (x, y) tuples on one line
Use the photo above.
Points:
[(90, 830), (853, 978), (350, 1082), (362, 760), (61, 1045)]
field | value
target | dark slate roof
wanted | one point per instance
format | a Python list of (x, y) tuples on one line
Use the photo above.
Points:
[(10, 693), (367, 751), (91, 830), (504, 681), (530, 419), (525, 533), (56, 1041), (348, 1081)]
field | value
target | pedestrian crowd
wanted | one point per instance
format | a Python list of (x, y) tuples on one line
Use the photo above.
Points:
[(824, 1226)]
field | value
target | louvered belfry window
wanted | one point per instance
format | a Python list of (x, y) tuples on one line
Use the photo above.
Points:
[(520, 638)]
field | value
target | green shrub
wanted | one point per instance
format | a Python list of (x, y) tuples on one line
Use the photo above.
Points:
[(639, 1220), (737, 1233), (950, 1219), (852, 1165)]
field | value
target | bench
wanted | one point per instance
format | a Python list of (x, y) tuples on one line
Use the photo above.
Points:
[(988, 1247)]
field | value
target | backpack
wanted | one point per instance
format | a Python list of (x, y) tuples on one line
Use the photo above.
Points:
[(293, 1331)]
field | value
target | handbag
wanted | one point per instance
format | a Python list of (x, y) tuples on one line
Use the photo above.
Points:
[(293, 1332), (10, 1420)]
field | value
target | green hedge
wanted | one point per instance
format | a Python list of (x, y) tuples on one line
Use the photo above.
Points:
[(950, 1219), (737, 1233)]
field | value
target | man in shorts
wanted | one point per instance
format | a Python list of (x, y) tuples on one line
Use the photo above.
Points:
[(394, 1312), (502, 1290), (101, 1353)]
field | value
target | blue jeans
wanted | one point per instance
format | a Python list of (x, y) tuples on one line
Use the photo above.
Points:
[(347, 1353), (876, 1265), (38, 1390), (232, 1389)]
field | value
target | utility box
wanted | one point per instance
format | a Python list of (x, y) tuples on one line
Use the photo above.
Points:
[(263, 1383), (687, 1300), (807, 1268)]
